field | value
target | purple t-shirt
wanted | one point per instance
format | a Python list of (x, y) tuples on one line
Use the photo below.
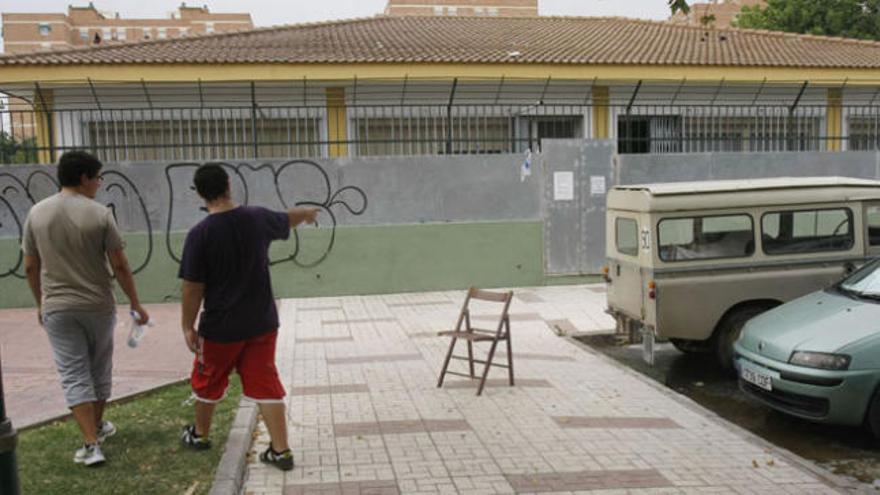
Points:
[(229, 253)]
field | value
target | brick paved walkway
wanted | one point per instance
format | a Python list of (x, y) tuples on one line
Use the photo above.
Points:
[(365, 415), (30, 382)]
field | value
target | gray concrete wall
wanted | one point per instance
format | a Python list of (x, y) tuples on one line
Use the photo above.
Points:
[(644, 169), (157, 196), (574, 228)]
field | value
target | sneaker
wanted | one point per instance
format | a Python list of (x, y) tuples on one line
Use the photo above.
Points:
[(90, 455), (282, 460), (189, 438), (105, 430)]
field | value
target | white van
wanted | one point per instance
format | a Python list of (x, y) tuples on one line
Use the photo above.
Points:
[(691, 262)]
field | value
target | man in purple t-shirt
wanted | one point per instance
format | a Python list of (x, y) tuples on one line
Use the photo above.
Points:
[(225, 263)]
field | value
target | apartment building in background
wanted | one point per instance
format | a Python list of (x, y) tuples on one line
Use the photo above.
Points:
[(87, 26), (717, 13), (493, 8)]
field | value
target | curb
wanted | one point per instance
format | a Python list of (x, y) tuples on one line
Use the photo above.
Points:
[(827, 477), (229, 476)]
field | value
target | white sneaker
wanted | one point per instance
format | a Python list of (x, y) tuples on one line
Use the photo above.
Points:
[(105, 430), (90, 455)]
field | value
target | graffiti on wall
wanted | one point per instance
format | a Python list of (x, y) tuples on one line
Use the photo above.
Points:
[(290, 184), (274, 185)]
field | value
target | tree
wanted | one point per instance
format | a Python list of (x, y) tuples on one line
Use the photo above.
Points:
[(846, 18), (15, 151), (679, 5)]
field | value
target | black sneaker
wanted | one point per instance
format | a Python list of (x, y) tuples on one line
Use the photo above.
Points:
[(189, 438), (282, 460)]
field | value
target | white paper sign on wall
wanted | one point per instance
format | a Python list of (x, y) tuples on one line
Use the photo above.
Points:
[(563, 186), (597, 185)]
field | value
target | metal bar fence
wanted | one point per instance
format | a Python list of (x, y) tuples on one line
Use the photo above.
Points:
[(249, 131)]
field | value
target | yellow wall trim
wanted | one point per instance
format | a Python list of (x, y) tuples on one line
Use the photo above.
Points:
[(337, 122), (835, 119), (43, 121), (606, 74), (601, 113)]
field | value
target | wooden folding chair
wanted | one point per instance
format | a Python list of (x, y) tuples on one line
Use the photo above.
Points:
[(470, 335)]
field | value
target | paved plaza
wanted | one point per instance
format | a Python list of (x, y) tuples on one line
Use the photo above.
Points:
[(366, 417)]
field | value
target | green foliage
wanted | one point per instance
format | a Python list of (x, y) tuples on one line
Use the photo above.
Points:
[(145, 457), (15, 151), (846, 18), (679, 5), (708, 20)]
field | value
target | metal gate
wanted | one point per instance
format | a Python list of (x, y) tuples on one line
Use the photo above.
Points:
[(577, 175)]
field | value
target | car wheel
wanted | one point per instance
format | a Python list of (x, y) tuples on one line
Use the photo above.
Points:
[(729, 330), (872, 419), (688, 346)]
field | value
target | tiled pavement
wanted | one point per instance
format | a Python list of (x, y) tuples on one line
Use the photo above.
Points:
[(366, 418)]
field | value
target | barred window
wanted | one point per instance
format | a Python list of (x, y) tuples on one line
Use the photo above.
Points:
[(864, 133), (217, 136), (727, 133), (753, 133), (429, 135)]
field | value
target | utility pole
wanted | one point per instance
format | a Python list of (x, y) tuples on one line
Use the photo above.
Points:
[(8, 438)]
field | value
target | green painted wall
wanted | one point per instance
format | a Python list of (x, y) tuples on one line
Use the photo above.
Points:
[(363, 260)]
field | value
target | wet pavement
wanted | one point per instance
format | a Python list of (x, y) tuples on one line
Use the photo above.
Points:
[(847, 451)]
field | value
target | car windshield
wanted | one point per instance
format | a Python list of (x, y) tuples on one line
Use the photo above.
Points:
[(864, 282)]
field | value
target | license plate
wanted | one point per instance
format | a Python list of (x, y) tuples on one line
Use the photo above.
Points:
[(756, 377)]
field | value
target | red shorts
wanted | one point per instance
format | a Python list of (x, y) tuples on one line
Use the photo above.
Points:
[(253, 359)]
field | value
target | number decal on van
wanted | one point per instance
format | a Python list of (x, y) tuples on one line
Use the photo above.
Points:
[(646, 239)]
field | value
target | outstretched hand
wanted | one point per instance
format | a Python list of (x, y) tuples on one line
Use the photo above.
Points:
[(302, 214)]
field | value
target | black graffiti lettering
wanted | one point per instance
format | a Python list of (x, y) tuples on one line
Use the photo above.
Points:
[(121, 191), (326, 201)]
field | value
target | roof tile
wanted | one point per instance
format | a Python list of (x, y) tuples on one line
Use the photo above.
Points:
[(557, 40)]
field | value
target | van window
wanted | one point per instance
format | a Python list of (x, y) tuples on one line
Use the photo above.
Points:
[(702, 238), (873, 218), (807, 231), (627, 236)]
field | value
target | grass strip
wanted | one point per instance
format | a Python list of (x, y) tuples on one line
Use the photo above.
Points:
[(144, 457)]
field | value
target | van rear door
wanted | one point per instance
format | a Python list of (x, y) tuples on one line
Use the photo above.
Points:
[(624, 268)]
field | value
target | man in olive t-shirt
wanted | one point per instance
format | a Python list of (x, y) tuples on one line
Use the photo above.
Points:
[(67, 242)]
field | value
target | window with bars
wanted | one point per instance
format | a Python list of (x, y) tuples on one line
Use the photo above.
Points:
[(429, 135), (864, 132), (694, 133), (201, 139)]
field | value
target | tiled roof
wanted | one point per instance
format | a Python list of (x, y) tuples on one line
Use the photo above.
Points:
[(551, 40)]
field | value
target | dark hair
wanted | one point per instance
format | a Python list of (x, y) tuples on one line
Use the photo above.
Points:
[(73, 164), (211, 181)]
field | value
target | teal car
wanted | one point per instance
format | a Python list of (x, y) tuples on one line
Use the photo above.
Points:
[(818, 357)]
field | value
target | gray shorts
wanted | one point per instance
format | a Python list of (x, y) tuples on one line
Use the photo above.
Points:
[(82, 344)]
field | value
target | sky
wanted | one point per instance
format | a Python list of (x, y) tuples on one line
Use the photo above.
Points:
[(275, 12)]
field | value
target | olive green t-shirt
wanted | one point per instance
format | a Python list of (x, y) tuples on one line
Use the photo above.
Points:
[(71, 234)]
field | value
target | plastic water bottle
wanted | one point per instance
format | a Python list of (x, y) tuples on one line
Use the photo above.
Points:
[(136, 331)]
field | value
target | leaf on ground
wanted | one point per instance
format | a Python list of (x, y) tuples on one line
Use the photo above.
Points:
[(754, 463), (192, 488)]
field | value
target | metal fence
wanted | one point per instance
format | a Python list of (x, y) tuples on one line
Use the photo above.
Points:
[(36, 134)]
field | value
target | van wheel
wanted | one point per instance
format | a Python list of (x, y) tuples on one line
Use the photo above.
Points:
[(872, 419), (729, 331), (688, 346)]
